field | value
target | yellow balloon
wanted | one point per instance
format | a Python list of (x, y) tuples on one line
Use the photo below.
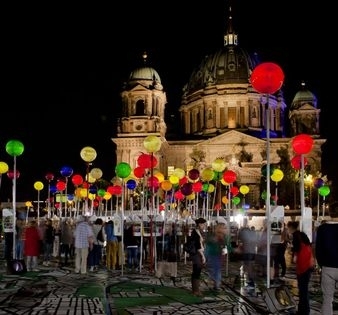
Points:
[(38, 185), (160, 177), (83, 192), (88, 154), (211, 188), (218, 165), (244, 189), (91, 196), (174, 179), (91, 179), (180, 173), (152, 143), (191, 196), (3, 167), (107, 195), (277, 175), (207, 174), (224, 182), (96, 173)]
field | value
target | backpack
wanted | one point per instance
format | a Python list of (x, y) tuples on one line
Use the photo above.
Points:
[(189, 246), (100, 236)]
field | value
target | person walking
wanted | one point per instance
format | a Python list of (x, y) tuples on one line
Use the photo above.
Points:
[(84, 239), (131, 243), (111, 246), (326, 252), (247, 239), (214, 251), (48, 242), (67, 239), (198, 259), (279, 263), (304, 259), (95, 254), (32, 246)]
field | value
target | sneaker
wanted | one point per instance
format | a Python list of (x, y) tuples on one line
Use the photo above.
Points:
[(91, 269)]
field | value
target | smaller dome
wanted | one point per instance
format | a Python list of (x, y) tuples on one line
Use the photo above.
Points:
[(145, 73), (304, 96)]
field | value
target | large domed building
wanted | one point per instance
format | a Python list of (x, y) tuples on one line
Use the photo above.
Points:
[(221, 116)]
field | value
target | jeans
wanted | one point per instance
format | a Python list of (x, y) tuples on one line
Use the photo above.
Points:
[(303, 290), (329, 278), (132, 256)]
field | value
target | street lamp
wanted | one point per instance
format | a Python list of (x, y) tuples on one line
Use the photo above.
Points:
[(267, 78)]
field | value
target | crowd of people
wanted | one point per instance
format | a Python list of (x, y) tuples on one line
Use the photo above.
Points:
[(91, 243)]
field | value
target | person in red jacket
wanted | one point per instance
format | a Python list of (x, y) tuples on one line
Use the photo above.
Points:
[(304, 259), (32, 246)]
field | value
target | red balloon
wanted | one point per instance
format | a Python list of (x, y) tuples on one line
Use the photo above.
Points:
[(77, 179), (229, 176), (234, 191), (147, 160), (302, 143), (60, 185), (117, 190), (49, 176), (153, 182), (197, 187), (10, 174), (178, 195), (267, 78), (296, 162), (183, 180), (139, 171)]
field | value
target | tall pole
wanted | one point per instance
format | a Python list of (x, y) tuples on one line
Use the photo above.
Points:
[(267, 201)]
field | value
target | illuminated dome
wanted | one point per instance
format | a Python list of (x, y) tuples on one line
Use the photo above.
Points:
[(304, 96)]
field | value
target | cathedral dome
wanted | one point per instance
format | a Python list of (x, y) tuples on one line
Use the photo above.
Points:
[(304, 96), (229, 65), (145, 73)]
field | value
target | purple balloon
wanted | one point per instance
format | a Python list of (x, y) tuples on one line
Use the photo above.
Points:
[(318, 182)]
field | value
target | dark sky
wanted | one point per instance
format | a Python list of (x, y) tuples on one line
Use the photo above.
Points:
[(63, 67)]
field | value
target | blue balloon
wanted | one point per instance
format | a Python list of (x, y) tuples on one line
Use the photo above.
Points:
[(131, 184), (66, 171)]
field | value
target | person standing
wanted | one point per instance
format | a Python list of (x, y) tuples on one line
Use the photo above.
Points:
[(111, 246), (214, 251), (67, 239), (131, 243), (95, 254), (84, 239), (32, 246), (304, 259), (280, 261), (48, 242), (248, 242), (198, 259), (326, 251)]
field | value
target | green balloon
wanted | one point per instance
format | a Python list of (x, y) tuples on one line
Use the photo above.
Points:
[(123, 170), (324, 190), (14, 147), (236, 200)]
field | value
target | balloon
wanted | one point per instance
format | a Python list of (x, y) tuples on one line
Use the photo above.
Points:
[(166, 185), (147, 160), (88, 154), (131, 184), (277, 175), (296, 162), (218, 165), (244, 189), (207, 174), (123, 169), (107, 195), (96, 173), (187, 189), (60, 185), (324, 190), (183, 180), (236, 200), (174, 179), (38, 185), (10, 174), (178, 195), (3, 167), (49, 176), (225, 200), (153, 182), (234, 190), (160, 177), (318, 182), (101, 192), (229, 176), (139, 171), (53, 189), (267, 78), (197, 187), (77, 179), (211, 188), (152, 143), (66, 171), (192, 196), (14, 148), (264, 195), (179, 172), (193, 174), (302, 143)]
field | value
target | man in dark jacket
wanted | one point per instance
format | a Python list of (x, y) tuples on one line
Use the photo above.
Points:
[(327, 258)]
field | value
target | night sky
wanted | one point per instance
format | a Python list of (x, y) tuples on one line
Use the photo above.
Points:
[(63, 67)]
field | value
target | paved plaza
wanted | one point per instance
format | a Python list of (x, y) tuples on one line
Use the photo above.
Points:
[(58, 290)]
